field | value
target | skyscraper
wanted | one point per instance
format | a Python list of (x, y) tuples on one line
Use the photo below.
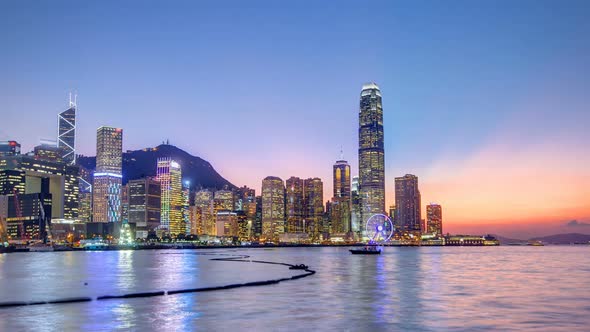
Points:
[(313, 197), (407, 204), (371, 152), (204, 213), (66, 133), (273, 208), (169, 174), (341, 201), (355, 202), (106, 196), (294, 205), (341, 177), (434, 219)]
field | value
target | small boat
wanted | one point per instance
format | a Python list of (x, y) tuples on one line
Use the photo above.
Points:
[(366, 251)]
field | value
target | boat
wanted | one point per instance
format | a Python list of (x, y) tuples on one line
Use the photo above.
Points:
[(40, 247), (366, 251)]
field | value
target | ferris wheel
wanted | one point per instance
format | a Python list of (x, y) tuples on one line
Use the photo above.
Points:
[(379, 228)]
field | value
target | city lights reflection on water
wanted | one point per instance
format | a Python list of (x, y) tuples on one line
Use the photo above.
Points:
[(422, 289)]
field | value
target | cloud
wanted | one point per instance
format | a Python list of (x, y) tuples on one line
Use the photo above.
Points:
[(575, 223)]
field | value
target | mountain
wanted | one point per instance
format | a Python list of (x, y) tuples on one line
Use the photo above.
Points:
[(141, 163), (506, 240), (568, 238)]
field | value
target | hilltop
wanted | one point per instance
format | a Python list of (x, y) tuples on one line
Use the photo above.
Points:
[(141, 163)]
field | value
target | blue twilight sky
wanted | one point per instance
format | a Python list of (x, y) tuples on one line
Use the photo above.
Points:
[(271, 87)]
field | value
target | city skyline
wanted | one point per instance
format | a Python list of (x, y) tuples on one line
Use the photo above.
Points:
[(517, 122)]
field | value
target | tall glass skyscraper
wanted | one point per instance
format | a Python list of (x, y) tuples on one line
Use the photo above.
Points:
[(106, 195), (172, 197), (66, 133), (371, 152)]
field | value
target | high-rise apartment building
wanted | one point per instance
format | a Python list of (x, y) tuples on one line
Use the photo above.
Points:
[(434, 219), (107, 182), (371, 152), (66, 133), (273, 208), (294, 208), (313, 196), (169, 174), (407, 204)]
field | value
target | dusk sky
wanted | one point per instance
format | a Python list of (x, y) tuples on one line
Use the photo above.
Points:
[(487, 102)]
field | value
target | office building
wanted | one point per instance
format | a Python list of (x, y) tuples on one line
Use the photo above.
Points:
[(340, 216), (294, 208), (48, 152), (371, 152), (273, 208), (313, 196), (9, 148), (204, 212), (407, 204), (107, 180), (66, 133), (144, 206), (169, 175), (23, 174)]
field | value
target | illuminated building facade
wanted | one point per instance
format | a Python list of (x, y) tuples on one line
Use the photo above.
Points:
[(66, 133), (107, 181), (9, 148), (257, 232), (226, 224), (223, 200), (172, 201), (294, 208), (434, 219), (48, 152), (313, 196), (371, 152), (244, 226), (407, 204), (243, 196), (340, 215), (28, 215), (204, 212), (273, 208), (144, 206), (355, 207), (186, 210), (341, 177), (27, 175)]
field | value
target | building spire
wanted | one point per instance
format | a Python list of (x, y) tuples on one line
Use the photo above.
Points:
[(341, 153)]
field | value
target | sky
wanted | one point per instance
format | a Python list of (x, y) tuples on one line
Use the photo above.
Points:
[(485, 101)]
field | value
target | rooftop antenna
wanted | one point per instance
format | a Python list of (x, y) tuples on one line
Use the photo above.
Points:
[(73, 103), (341, 153)]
